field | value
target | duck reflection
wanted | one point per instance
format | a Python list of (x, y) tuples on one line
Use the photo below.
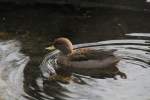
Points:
[(44, 90)]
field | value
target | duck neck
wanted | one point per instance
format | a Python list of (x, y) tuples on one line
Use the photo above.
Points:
[(67, 52)]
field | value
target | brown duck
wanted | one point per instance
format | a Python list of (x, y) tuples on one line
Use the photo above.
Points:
[(84, 61)]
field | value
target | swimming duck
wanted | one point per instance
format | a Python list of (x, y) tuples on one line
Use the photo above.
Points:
[(85, 61)]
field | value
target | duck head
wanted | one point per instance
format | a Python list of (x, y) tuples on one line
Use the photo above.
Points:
[(62, 44)]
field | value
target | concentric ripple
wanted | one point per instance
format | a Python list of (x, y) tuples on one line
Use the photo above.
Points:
[(135, 52), (134, 49)]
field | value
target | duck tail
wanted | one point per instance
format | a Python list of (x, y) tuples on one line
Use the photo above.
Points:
[(117, 59)]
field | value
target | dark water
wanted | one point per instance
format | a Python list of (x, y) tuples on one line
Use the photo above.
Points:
[(134, 48), (26, 31)]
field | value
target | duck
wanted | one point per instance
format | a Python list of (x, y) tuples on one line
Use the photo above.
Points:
[(84, 61)]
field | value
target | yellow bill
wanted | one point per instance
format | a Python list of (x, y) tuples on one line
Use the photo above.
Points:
[(50, 48)]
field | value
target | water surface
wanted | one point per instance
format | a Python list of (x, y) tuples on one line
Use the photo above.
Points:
[(23, 80)]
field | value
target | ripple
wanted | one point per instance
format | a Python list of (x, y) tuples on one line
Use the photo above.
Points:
[(139, 34), (135, 63), (12, 64), (134, 50)]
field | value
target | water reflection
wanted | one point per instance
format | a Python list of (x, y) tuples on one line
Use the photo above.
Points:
[(12, 64), (134, 49)]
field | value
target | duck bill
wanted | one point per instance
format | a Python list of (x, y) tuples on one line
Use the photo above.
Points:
[(50, 48)]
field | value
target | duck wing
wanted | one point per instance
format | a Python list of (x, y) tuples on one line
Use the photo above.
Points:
[(87, 58), (89, 54)]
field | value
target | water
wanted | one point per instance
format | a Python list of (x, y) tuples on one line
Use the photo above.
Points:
[(134, 48), (12, 64), (148, 0)]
